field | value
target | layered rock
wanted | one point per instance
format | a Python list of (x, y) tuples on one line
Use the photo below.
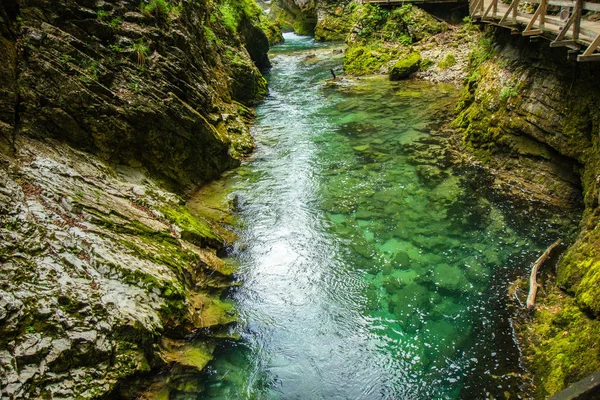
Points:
[(106, 276), (532, 116), (129, 81)]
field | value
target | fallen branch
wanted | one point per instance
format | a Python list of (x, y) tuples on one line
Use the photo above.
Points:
[(533, 285)]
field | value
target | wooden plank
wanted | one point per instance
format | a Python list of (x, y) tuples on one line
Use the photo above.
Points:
[(592, 47), (539, 13), (488, 9), (572, 44), (587, 388), (564, 30), (593, 57), (510, 8), (569, 3)]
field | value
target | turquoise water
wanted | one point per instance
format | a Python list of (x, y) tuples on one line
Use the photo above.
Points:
[(372, 268)]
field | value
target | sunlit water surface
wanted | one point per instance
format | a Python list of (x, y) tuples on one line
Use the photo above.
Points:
[(371, 267)]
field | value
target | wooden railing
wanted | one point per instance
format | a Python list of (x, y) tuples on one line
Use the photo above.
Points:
[(567, 29), (402, 2)]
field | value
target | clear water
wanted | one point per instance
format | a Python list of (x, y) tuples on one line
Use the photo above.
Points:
[(371, 267)]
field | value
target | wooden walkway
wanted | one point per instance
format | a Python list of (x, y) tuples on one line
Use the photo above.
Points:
[(403, 2), (567, 28)]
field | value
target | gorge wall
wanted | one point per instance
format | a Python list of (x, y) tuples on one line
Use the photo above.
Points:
[(110, 111), (532, 115)]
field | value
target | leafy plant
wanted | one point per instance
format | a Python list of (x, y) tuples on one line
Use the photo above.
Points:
[(511, 89), (134, 87), (65, 59), (102, 15), (91, 67), (115, 22), (115, 47), (159, 8), (142, 50), (405, 40)]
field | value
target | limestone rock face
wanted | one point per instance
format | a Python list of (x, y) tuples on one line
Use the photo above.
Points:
[(532, 116), (134, 84), (95, 270), (104, 272)]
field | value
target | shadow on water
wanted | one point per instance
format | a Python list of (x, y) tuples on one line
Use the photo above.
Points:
[(371, 267)]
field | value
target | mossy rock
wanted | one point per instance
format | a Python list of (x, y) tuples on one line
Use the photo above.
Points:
[(405, 66), (369, 59), (561, 342)]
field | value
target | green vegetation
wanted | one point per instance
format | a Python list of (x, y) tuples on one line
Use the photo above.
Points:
[(65, 59), (426, 64), (561, 342), (159, 8), (115, 22), (142, 51), (511, 89), (383, 35), (102, 15), (447, 62), (368, 59), (91, 68), (405, 66)]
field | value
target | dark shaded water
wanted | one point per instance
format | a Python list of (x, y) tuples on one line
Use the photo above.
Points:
[(371, 268)]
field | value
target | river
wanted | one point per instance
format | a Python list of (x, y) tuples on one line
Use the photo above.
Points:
[(372, 268)]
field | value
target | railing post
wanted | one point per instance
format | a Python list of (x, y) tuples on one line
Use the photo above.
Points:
[(543, 6), (577, 21), (515, 11)]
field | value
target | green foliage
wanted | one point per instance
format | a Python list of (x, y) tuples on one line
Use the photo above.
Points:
[(30, 329), (159, 8), (134, 87), (65, 59), (209, 34), (102, 15), (230, 18), (562, 342), (142, 51), (234, 11), (511, 89), (447, 62), (426, 64), (405, 66), (372, 20), (404, 25), (368, 59), (91, 67), (115, 22), (115, 47)]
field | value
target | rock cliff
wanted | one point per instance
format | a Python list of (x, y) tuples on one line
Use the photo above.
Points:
[(532, 116), (109, 112)]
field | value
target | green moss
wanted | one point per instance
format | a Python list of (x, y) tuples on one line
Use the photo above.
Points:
[(405, 66), (193, 228), (562, 342), (426, 64), (190, 354), (404, 25), (579, 269), (335, 22), (447, 62), (368, 59)]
